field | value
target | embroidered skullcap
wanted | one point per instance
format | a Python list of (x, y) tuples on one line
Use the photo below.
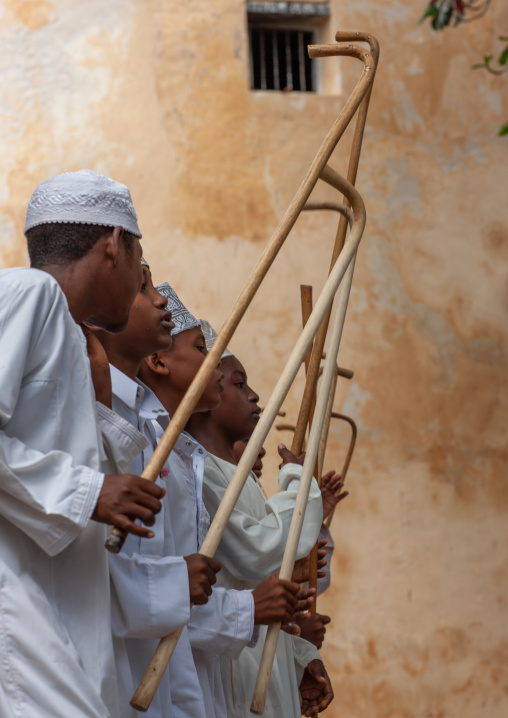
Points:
[(210, 336), (83, 197), (181, 316)]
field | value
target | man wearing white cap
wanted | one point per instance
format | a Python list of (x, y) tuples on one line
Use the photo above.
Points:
[(55, 635)]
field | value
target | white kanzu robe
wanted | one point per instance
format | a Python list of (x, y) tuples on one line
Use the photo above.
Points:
[(251, 549), (150, 588), (55, 635), (150, 581)]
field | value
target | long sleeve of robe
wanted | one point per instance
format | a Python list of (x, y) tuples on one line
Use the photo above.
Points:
[(150, 588), (225, 625), (55, 632), (251, 549)]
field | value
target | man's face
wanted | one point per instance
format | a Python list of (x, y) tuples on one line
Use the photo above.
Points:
[(126, 283), (119, 281)]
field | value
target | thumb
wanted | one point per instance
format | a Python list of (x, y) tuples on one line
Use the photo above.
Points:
[(284, 452)]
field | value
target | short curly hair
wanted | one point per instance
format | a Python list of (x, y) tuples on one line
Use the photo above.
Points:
[(66, 242)]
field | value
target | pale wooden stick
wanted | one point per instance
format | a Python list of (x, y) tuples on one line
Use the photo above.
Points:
[(193, 394), (154, 672), (265, 668)]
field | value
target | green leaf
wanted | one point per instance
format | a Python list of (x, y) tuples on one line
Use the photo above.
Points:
[(429, 12), (478, 66), (502, 38), (503, 130), (487, 58), (503, 58)]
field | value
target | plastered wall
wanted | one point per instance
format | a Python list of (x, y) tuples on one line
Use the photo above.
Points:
[(156, 94)]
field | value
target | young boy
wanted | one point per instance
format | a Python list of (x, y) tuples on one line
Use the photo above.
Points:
[(151, 592), (312, 625), (152, 584), (55, 632), (225, 625), (252, 547)]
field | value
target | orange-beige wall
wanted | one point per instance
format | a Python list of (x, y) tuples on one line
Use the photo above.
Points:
[(156, 94)]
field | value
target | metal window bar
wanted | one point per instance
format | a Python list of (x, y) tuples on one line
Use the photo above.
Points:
[(289, 69), (301, 62), (275, 52), (251, 60), (278, 60), (262, 59)]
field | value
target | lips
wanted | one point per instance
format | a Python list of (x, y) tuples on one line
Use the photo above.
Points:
[(166, 321)]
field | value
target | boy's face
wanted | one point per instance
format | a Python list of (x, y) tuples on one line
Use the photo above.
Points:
[(238, 412), (149, 327), (183, 362)]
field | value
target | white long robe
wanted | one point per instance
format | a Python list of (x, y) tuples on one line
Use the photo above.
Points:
[(150, 588), (55, 635), (225, 625), (251, 549)]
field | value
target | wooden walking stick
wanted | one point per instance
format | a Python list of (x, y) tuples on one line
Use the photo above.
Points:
[(323, 51), (193, 394), (258, 701), (149, 684)]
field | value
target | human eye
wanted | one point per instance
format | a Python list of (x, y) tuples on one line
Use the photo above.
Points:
[(240, 384)]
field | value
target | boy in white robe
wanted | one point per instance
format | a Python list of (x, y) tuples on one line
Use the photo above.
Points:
[(312, 625), (226, 624), (55, 632), (152, 584), (252, 547)]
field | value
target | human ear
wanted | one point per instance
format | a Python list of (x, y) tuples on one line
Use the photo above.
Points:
[(114, 244), (157, 364)]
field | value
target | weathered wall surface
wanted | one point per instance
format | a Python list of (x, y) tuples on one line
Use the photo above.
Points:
[(156, 95)]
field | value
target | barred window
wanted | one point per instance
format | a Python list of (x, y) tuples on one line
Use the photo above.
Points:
[(279, 33), (279, 59)]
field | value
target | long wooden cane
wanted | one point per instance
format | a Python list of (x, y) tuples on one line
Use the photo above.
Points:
[(312, 375), (150, 681), (306, 301), (193, 394), (265, 668)]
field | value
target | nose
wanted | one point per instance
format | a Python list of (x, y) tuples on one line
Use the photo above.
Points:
[(160, 301), (253, 396)]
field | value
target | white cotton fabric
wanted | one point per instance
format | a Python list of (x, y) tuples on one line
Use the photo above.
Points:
[(251, 549), (150, 588), (55, 634), (82, 197), (150, 581), (225, 625)]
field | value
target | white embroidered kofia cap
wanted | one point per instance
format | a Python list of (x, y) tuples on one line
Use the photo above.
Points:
[(82, 197), (210, 336), (180, 315)]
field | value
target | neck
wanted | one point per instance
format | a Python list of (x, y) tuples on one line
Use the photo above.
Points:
[(77, 289), (203, 427), (126, 364)]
